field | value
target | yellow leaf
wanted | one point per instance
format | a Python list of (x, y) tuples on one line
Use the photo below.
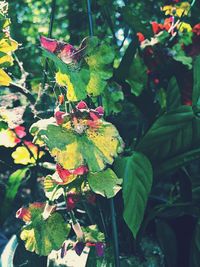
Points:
[(5, 59), (74, 93), (8, 45), (4, 78), (8, 138), (23, 156), (69, 157), (185, 27), (177, 10)]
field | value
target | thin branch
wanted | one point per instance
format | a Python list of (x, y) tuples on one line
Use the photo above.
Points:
[(21, 89)]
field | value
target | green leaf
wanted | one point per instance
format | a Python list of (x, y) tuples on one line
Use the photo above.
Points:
[(92, 234), (137, 175), (43, 236), (3, 125), (172, 134), (133, 18), (106, 261), (173, 95), (137, 77), (168, 243), (161, 96), (13, 185), (195, 247), (71, 150), (14, 182), (89, 79), (105, 183), (180, 55), (111, 98), (196, 87), (177, 161)]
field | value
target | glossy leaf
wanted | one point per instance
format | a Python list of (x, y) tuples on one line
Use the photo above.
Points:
[(137, 175), (105, 183), (176, 162), (176, 132)]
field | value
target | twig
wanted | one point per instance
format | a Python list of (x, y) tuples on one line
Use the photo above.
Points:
[(21, 89)]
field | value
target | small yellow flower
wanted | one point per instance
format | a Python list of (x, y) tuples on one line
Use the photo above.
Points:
[(177, 10)]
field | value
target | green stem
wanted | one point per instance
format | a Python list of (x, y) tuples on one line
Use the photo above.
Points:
[(115, 232), (52, 16)]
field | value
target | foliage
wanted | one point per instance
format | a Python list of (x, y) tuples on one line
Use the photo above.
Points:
[(94, 118)]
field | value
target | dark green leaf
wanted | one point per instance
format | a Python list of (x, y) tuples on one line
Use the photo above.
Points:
[(106, 261), (111, 98), (173, 95), (137, 175), (134, 19), (167, 240), (196, 87), (173, 134), (195, 247), (178, 161), (3, 125), (180, 55), (13, 185), (137, 77)]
